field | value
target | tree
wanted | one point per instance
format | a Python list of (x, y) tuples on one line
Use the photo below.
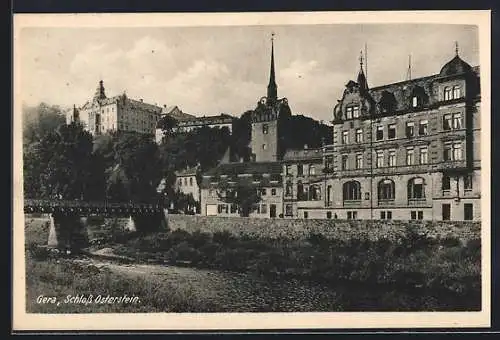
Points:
[(243, 195), (168, 125), (60, 165), (138, 157), (40, 120)]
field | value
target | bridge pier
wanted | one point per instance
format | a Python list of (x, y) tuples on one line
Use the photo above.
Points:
[(149, 222), (67, 232)]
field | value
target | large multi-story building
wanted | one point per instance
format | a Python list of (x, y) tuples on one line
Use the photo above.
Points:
[(118, 113), (408, 150)]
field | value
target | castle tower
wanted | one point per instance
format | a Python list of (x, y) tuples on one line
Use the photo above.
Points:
[(264, 138), (99, 92)]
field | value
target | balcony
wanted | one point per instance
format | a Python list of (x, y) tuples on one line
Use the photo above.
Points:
[(385, 202), (417, 202), (352, 203)]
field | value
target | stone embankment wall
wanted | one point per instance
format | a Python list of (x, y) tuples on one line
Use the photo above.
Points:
[(333, 229)]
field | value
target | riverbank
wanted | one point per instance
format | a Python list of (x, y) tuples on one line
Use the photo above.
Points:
[(415, 274)]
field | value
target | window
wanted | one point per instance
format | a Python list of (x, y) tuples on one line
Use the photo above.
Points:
[(386, 190), (392, 158), (446, 183), (422, 128), (345, 137), (312, 170), (288, 210), (355, 111), (389, 215), (423, 155), (288, 188), (264, 147), (410, 156), (414, 101), (300, 170), (348, 113), (329, 195), (191, 181), (452, 151), (468, 182), (468, 211), (380, 132), (234, 208), (446, 211), (300, 191), (447, 93), (351, 191), (420, 215), (416, 189), (328, 214), (457, 92), (386, 215), (288, 169), (457, 121), (447, 122), (410, 129), (265, 129), (306, 214), (359, 135), (359, 161), (329, 162), (273, 192), (180, 182), (263, 209), (413, 215), (352, 215), (185, 181), (263, 192), (344, 162), (382, 215), (380, 158), (315, 192), (391, 133)]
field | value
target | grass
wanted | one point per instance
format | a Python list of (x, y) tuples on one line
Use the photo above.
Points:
[(413, 273), (61, 278)]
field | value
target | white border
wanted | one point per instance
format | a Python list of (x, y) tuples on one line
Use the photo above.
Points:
[(242, 321)]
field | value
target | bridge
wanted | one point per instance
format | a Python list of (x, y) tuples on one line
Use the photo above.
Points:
[(68, 219), (84, 208)]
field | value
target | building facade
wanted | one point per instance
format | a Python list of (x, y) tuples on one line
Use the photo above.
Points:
[(409, 150), (119, 113), (219, 121), (187, 183)]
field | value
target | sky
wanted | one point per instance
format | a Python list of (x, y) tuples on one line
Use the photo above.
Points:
[(213, 70)]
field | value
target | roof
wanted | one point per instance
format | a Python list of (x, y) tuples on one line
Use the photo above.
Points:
[(176, 113), (250, 168), (303, 154), (263, 174), (210, 120), (190, 171), (135, 104), (455, 66)]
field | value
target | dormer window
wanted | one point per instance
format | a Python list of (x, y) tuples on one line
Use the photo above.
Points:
[(352, 112)]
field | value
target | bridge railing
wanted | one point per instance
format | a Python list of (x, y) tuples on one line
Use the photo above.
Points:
[(87, 204)]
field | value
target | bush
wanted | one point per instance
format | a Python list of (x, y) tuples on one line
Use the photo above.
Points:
[(37, 252)]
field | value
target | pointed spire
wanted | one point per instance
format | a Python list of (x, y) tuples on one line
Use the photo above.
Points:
[(272, 88), (363, 84), (408, 74), (456, 48)]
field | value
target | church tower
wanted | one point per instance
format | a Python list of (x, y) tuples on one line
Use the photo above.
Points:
[(264, 138)]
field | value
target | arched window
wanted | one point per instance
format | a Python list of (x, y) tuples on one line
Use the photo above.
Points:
[(329, 195), (386, 190), (416, 188), (191, 181), (312, 170), (447, 93), (351, 191), (457, 92)]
